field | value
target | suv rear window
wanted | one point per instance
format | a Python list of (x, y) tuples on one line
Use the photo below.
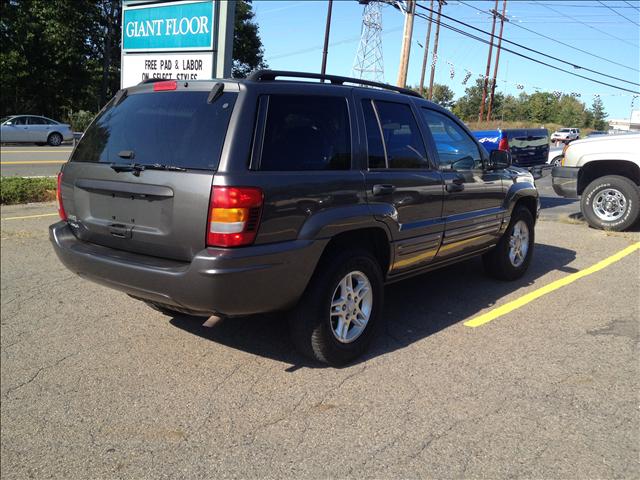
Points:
[(170, 128), (306, 133)]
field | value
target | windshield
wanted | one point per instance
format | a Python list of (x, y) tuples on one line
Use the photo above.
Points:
[(565, 130), (4, 119), (169, 128)]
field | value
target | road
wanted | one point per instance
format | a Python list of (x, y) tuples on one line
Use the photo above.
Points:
[(32, 160), (97, 385)]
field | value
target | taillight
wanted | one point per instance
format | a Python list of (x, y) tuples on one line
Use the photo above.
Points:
[(164, 86), (234, 216), (504, 144), (61, 212)]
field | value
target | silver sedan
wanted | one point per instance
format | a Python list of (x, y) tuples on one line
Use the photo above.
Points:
[(34, 129)]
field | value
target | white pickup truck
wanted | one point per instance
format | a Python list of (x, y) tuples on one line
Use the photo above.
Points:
[(605, 172), (565, 135)]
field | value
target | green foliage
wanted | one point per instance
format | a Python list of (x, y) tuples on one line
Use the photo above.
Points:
[(539, 108), (442, 95), (468, 106), (80, 120), (58, 55), (598, 113), (248, 54), (23, 190)]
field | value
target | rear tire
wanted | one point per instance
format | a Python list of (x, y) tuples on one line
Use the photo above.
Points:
[(510, 259), (54, 140), (611, 202), (337, 318)]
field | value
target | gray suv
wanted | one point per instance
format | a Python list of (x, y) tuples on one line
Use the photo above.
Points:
[(239, 197)]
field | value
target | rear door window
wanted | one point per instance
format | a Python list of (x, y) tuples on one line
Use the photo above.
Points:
[(305, 132), (402, 139), (169, 128), (37, 121)]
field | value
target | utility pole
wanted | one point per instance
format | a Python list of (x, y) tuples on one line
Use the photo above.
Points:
[(406, 44), (486, 75), (434, 58), (495, 68), (426, 49), (326, 39)]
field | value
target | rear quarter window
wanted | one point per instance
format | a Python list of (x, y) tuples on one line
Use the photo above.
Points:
[(170, 128)]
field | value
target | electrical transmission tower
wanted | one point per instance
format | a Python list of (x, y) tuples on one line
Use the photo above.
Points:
[(368, 64)]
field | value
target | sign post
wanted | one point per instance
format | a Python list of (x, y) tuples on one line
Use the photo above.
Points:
[(184, 40)]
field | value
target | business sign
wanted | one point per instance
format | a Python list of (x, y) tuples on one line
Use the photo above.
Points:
[(188, 40), (170, 66), (171, 27)]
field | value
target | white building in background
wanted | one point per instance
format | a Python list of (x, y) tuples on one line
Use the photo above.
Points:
[(626, 124)]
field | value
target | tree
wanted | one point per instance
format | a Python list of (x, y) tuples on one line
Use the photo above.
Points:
[(248, 53), (569, 111), (468, 106), (599, 115), (443, 95), (541, 107), (48, 53)]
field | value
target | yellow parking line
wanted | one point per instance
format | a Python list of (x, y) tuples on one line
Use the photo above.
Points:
[(30, 216), (530, 297), (33, 162)]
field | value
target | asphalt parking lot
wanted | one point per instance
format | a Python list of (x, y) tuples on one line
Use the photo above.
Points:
[(97, 385)]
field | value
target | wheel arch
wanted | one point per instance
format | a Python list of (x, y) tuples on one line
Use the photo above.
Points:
[(600, 168), (372, 239)]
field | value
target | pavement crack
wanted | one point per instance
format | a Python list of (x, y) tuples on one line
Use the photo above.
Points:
[(33, 377)]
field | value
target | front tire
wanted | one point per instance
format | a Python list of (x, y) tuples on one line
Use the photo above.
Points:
[(611, 202), (54, 140), (510, 259), (338, 315)]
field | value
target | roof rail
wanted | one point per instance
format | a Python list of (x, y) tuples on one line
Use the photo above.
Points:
[(268, 75)]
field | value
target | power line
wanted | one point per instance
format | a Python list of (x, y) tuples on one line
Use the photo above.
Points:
[(579, 67), (559, 41), (475, 37), (619, 14), (577, 5), (587, 25), (632, 6)]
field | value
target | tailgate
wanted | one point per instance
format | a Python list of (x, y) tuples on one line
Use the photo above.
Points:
[(529, 146), (174, 140)]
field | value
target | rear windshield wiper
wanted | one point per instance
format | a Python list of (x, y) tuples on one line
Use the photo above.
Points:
[(136, 168)]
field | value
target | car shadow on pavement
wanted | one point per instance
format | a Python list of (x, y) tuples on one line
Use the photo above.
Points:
[(551, 202), (414, 309)]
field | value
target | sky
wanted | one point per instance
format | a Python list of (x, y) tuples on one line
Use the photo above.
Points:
[(292, 33)]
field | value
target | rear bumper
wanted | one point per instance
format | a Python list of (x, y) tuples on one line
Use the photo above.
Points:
[(217, 281), (565, 181)]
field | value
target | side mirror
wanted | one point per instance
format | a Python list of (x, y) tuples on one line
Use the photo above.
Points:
[(499, 159), (8, 122)]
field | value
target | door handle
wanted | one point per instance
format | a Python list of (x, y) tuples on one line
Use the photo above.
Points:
[(456, 185), (383, 189)]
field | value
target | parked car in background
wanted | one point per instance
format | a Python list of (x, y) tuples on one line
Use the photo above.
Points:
[(34, 129), (238, 197), (529, 147), (565, 135), (596, 133), (605, 172)]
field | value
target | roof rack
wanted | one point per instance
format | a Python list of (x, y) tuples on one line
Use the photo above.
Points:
[(268, 75)]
